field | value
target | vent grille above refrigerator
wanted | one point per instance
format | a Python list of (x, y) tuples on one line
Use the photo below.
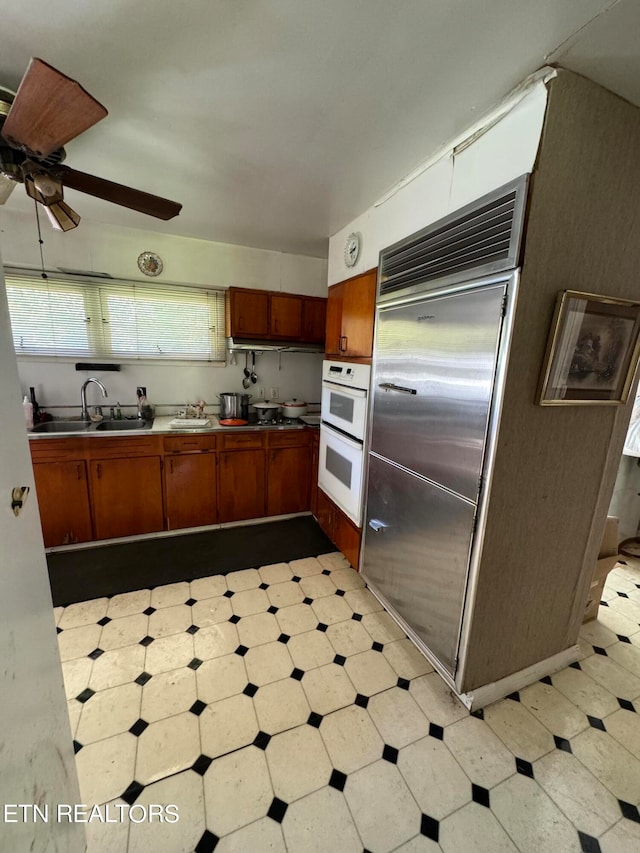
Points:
[(479, 239)]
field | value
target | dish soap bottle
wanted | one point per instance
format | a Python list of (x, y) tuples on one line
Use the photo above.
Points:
[(27, 407), (118, 412)]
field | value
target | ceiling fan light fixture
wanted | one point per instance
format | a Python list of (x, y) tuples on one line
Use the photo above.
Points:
[(46, 185), (61, 216)]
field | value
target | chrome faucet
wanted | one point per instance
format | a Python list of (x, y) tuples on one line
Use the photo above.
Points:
[(84, 414)]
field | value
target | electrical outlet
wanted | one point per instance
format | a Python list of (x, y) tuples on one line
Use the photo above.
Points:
[(261, 393), (274, 393)]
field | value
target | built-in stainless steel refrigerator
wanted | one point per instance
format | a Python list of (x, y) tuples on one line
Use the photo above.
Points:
[(433, 389)]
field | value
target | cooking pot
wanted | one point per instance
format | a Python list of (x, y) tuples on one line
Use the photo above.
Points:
[(234, 405), (266, 409), (294, 408)]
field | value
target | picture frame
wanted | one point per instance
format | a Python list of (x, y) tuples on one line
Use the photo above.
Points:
[(592, 352)]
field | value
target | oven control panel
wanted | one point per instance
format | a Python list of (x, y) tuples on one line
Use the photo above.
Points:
[(344, 373)]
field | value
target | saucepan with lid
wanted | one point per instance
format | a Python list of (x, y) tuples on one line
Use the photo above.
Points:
[(267, 410), (294, 408)]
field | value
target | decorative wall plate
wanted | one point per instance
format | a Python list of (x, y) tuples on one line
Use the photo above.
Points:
[(150, 264)]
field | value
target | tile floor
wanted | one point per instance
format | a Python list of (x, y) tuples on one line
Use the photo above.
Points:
[(281, 709)]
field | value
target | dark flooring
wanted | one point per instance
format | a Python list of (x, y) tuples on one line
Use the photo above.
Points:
[(87, 573)]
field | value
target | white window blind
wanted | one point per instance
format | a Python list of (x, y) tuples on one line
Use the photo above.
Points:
[(115, 319)]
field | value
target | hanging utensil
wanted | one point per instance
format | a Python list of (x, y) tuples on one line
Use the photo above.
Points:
[(246, 381), (254, 375)]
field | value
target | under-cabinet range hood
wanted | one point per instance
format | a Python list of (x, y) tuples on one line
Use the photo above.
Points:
[(247, 345)]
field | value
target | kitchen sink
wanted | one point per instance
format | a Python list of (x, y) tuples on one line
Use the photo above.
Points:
[(61, 426), (123, 426)]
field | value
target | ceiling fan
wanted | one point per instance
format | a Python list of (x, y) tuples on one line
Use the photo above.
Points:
[(48, 110)]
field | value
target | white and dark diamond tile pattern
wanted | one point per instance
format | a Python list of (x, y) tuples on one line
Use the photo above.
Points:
[(282, 709)]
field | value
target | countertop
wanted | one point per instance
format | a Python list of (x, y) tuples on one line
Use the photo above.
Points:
[(161, 426)]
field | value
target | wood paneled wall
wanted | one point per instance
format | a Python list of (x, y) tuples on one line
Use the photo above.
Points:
[(555, 467)]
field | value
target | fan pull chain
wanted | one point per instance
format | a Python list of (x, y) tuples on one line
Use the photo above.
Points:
[(40, 241)]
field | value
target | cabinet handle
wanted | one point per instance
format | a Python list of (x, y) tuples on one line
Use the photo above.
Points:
[(341, 347), (171, 466), (78, 472), (99, 471)]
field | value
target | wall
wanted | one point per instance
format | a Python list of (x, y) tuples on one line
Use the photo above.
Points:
[(501, 147), (35, 738), (99, 247), (556, 466)]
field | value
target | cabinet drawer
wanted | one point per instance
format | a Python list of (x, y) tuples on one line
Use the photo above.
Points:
[(56, 449), (242, 441), (288, 438), (115, 448), (189, 443)]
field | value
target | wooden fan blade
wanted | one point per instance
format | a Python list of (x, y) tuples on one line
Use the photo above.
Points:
[(49, 109), (143, 202)]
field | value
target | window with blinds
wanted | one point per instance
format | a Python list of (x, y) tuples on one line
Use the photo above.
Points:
[(115, 319)]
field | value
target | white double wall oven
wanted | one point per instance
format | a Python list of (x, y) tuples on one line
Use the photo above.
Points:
[(345, 390)]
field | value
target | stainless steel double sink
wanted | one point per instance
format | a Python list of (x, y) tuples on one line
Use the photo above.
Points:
[(101, 426)]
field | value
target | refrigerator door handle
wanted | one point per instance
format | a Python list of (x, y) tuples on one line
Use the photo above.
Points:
[(390, 386), (376, 525)]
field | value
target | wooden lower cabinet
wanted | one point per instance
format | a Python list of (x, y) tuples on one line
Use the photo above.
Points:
[(126, 496), (190, 490), (315, 458), (63, 498), (242, 484), (103, 488), (288, 474), (340, 529)]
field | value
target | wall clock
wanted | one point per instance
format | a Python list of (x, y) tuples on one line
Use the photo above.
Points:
[(352, 249), (150, 264)]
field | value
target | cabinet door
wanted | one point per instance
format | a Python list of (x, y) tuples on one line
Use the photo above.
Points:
[(190, 490), (288, 480), (63, 498), (358, 310), (326, 515), (286, 317), (242, 484), (313, 486), (334, 320), (126, 496), (314, 320), (347, 537), (249, 313)]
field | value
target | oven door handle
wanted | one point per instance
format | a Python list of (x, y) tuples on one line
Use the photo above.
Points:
[(390, 386), (347, 390)]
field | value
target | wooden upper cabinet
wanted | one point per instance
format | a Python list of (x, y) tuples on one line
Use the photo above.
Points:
[(314, 319), (285, 320), (334, 320), (248, 313), (350, 316), (267, 315)]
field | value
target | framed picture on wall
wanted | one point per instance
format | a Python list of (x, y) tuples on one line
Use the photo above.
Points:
[(592, 352)]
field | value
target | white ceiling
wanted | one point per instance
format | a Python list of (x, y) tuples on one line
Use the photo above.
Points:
[(276, 122)]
